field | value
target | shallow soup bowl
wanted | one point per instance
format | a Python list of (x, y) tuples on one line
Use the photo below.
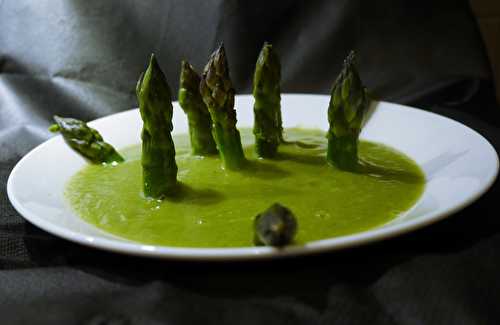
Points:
[(458, 163)]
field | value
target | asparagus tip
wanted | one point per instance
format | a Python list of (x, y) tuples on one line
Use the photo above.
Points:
[(219, 56), (220, 47), (186, 66), (350, 59), (217, 65), (276, 226), (153, 62), (139, 83), (154, 65), (54, 128)]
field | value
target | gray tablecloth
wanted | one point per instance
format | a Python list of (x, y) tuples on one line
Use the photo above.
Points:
[(82, 59)]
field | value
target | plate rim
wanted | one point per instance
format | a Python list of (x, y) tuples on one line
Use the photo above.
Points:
[(124, 246)]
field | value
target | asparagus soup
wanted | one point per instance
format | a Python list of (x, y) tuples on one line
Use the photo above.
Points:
[(216, 207)]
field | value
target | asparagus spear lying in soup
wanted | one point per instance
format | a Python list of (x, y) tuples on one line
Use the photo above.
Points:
[(85, 140)]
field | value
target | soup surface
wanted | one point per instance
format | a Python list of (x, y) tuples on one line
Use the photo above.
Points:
[(216, 207)]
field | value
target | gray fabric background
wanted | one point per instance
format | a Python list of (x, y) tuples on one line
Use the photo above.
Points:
[(82, 59)]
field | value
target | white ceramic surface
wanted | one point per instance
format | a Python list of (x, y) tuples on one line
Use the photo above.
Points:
[(459, 164)]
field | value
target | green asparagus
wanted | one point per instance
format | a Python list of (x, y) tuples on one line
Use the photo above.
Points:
[(268, 128), (200, 123), (348, 104), (159, 169), (275, 227), (218, 94), (85, 140)]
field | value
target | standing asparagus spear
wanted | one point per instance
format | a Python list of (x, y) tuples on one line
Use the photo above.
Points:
[(159, 170), (200, 123), (348, 104), (85, 140), (267, 129), (218, 94)]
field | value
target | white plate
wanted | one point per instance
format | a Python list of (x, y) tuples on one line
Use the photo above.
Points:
[(459, 165)]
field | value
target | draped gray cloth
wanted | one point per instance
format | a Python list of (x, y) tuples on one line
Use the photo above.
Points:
[(82, 59)]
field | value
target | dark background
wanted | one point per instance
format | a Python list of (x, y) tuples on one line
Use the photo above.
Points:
[(82, 59)]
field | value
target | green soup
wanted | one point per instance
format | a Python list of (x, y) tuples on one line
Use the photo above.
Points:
[(216, 207)]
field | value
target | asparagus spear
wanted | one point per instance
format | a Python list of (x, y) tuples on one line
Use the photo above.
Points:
[(85, 140), (159, 170), (267, 129), (218, 94), (348, 104), (275, 227), (200, 123)]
